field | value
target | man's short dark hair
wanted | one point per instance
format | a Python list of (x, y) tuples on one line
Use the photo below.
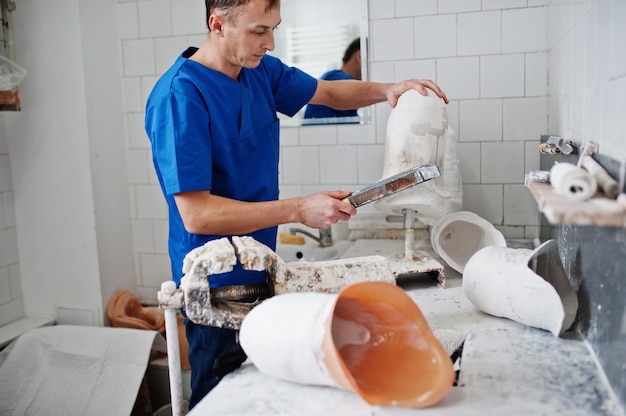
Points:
[(354, 46), (231, 8)]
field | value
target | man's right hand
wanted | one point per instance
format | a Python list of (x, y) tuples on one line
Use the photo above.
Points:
[(323, 209)]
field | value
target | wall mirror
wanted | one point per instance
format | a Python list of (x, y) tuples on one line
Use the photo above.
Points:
[(313, 36)]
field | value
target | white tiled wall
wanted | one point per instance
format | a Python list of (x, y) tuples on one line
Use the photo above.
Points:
[(587, 62), (488, 56), (11, 304), (490, 59)]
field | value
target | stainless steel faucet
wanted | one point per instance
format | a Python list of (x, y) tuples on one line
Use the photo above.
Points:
[(325, 238)]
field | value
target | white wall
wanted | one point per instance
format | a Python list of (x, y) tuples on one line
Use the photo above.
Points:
[(11, 301), (152, 35), (587, 62), (67, 158)]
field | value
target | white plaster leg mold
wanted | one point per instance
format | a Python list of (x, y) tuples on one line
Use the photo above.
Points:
[(457, 236), (417, 134), (371, 338), (526, 286)]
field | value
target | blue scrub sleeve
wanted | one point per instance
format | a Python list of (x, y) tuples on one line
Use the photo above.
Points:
[(292, 87), (180, 123)]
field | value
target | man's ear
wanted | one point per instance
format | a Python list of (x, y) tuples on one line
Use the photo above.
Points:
[(215, 24)]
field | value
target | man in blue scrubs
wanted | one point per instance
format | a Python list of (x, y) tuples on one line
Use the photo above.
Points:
[(211, 119)]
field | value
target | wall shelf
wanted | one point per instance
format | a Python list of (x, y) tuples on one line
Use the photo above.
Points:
[(9, 100), (599, 211)]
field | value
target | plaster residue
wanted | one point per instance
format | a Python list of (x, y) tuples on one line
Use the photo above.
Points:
[(427, 129), (496, 364), (415, 132)]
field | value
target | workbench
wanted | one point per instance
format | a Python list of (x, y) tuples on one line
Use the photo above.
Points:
[(506, 368)]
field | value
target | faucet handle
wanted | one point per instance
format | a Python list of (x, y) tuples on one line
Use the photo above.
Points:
[(326, 237)]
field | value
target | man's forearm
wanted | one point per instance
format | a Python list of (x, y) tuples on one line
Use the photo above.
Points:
[(204, 213), (348, 95)]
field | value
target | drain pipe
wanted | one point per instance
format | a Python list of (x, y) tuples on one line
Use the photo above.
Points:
[(170, 300)]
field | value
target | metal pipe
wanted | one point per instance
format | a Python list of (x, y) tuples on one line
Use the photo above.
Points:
[(325, 238), (168, 289), (409, 233)]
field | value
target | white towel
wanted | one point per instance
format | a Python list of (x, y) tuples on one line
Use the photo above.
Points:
[(74, 370)]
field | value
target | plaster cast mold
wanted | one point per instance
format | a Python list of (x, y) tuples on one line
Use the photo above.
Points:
[(418, 134), (526, 286), (370, 338), (457, 236)]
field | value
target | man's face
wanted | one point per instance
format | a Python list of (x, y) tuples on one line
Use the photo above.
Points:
[(251, 34)]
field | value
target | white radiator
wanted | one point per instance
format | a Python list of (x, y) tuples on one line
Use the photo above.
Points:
[(317, 49)]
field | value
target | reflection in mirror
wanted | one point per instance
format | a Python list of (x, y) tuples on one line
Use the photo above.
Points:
[(314, 37)]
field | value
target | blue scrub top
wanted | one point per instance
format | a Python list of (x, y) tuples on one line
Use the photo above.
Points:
[(211, 132), (322, 111)]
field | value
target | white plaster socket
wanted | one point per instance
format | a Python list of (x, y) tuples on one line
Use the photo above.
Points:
[(526, 286), (456, 237), (370, 338)]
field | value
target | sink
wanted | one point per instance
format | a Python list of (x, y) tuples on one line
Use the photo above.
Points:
[(311, 251)]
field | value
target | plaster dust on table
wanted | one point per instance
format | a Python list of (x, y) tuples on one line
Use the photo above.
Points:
[(501, 366)]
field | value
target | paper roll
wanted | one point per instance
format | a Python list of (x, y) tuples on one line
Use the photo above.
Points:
[(572, 182)]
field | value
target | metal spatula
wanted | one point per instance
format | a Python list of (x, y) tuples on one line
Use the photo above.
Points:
[(392, 184)]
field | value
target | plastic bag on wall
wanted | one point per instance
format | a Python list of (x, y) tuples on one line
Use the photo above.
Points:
[(11, 74)]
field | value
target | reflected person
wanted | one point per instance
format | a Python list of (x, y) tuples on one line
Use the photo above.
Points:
[(351, 69)]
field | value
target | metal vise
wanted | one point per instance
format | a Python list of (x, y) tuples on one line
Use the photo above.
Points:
[(219, 256)]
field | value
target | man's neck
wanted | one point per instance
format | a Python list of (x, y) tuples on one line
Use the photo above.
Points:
[(209, 55)]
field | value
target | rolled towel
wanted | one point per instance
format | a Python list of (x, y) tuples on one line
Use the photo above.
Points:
[(573, 182)]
